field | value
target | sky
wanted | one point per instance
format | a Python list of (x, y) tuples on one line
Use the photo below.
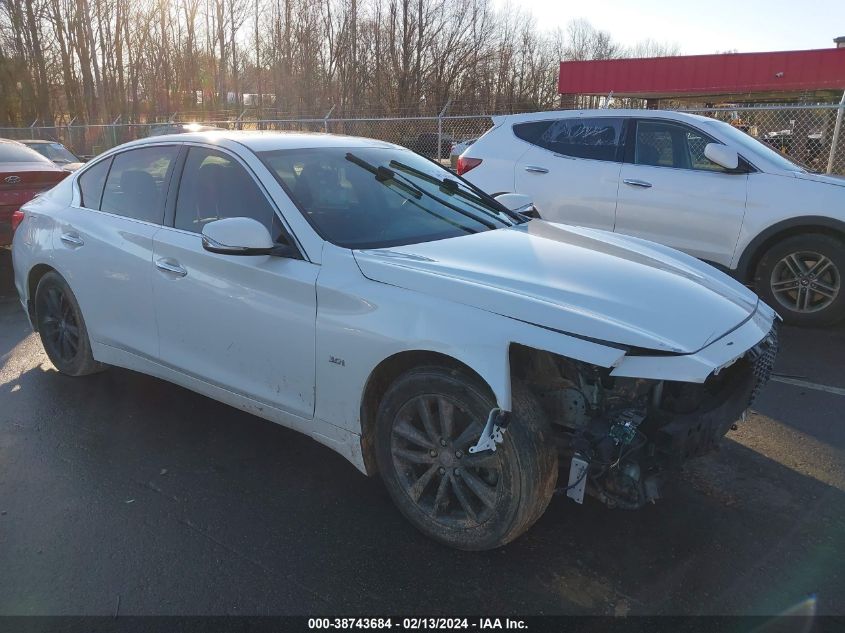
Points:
[(702, 26)]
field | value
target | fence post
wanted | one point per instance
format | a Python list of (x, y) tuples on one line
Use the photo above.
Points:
[(326, 119), (32, 129), (69, 136), (114, 130), (440, 129), (837, 128)]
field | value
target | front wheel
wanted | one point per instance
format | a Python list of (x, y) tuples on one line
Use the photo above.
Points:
[(801, 278), (426, 423), (62, 328)]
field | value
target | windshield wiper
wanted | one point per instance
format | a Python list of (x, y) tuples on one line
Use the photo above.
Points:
[(385, 175), (456, 188)]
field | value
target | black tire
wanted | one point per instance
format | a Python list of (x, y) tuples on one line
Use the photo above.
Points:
[(517, 480), (62, 327), (786, 278)]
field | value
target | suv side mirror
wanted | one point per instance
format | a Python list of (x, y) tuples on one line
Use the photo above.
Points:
[(722, 155), (237, 236)]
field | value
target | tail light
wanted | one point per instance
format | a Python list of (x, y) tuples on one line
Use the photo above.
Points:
[(465, 164), (17, 218)]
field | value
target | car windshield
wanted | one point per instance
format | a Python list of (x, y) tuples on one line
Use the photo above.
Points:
[(56, 152), (379, 197), (748, 142)]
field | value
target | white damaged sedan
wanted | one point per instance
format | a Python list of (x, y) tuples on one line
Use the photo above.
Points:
[(365, 296)]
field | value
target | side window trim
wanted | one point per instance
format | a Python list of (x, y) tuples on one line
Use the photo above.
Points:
[(173, 187), (182, 160)]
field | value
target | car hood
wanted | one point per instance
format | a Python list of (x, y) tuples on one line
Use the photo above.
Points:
[(580, 281)]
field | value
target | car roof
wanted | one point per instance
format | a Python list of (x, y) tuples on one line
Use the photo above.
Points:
[(264, 140), (36, 141), (606, 112)]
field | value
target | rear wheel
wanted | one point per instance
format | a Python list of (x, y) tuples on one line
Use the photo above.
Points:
[(801, 277), (62, 328), (426, 423)]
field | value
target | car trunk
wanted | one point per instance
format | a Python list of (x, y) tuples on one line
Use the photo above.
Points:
[(20, 183)]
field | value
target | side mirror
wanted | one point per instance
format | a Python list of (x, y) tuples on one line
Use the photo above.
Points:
[(722, 155), (518, 203), (237, 236)]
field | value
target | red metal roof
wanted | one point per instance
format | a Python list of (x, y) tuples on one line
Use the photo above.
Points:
[(707, 74)]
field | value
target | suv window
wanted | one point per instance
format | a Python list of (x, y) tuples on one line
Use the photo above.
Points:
[(667, 144), (598, 138), (215, 186), (91, 183), (137, 183)]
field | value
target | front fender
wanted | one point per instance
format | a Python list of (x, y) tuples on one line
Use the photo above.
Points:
[(361, 322)]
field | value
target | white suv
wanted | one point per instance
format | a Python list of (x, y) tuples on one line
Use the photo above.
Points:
[(689, 182)]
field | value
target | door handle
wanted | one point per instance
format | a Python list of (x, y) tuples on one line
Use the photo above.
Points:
[(72, 239), (169, 266), (637, 183), (534, 169)]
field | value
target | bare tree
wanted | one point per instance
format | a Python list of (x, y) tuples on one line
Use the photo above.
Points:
[(144, 59)]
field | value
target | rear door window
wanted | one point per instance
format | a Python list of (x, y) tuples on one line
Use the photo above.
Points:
[(91, 183), (598, 138), (137, 183)]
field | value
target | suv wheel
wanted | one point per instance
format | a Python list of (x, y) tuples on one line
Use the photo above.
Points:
[(62, 328), (426, 423), (801, 278)]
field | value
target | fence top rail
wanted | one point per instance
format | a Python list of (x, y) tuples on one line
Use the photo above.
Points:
[(796, 106), (315, 121)]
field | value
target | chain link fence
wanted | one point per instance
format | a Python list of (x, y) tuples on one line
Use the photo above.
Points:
[(810, 134)]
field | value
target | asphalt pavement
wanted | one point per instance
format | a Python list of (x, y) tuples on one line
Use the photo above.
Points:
[(121, 493)]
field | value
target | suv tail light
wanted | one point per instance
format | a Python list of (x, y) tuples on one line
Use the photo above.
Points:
[(17, 218), (465, 164)]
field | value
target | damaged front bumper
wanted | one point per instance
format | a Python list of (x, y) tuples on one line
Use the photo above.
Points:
[(711, 359), (627, 458)]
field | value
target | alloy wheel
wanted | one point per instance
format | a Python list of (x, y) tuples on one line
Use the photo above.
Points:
[(59, 325), (805, 281), (430, 442)]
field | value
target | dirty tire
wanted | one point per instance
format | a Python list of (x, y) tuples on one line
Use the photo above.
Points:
[(62, 328), (784, 262), (470, 502)]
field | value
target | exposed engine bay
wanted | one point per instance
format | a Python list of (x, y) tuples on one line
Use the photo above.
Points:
[(620, 437)]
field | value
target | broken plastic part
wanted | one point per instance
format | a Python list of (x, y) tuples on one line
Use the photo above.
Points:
[(491, 435), (577, 478)]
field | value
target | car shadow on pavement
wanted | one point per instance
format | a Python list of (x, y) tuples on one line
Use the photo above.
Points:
[(7, 283), (179, 504), (13, 329)]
